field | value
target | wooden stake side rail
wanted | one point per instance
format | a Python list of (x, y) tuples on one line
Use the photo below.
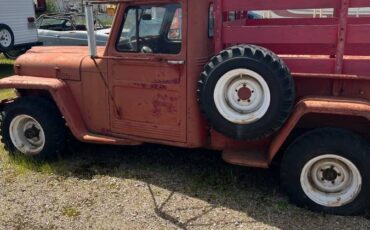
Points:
[(231, 5), (338, 40)]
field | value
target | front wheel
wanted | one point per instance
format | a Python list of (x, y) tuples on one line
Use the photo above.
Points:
[(327, 170), (33, 127)]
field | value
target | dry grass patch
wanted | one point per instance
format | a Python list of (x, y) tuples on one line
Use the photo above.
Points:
[(71, 212)]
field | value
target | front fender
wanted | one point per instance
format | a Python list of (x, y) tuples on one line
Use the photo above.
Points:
[(61, 94)]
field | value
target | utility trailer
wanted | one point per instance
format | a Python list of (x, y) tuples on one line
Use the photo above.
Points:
[(291, 91), (18, 30)]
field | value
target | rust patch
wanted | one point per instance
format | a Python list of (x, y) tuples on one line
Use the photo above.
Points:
[(171, 81), (164, 104), (150, 86)]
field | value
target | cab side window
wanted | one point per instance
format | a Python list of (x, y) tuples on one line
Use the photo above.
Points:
[(175, 32), (152, 29)]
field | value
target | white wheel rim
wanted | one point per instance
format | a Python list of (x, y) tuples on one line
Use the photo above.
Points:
[(331, 180), (5, 38), (242, 96), (27, 135)]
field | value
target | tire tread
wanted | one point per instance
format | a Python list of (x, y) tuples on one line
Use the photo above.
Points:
[(320, 139), (47, 111)]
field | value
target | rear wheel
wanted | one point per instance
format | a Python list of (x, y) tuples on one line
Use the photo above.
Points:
[(327, 170), (33, 127)]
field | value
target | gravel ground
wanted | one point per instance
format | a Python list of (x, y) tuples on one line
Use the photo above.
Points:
[(149, 187)]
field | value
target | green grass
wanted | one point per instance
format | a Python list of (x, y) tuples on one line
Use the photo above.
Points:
[(5, 61), (70, 212), (7, 93), (21, 165), (6, 66), (6, 69)]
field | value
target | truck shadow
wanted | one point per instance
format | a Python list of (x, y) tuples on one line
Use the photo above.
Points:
[(199, 174)]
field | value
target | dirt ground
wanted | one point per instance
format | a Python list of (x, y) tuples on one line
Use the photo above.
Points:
[(149, 187)]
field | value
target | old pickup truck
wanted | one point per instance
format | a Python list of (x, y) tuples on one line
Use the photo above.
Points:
[(293, 91)]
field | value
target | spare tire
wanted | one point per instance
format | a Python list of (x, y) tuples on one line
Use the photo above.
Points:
[(6, 38), (246, 92)]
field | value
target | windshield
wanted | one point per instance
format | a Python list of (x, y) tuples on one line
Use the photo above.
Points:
[(72, 22), (51, 23)]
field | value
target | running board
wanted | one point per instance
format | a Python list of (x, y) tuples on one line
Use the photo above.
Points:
[(100, 139), (252, 158)]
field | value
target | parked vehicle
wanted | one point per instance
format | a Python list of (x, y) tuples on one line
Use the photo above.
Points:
[(295, 92), (17, 27), (68, 29)]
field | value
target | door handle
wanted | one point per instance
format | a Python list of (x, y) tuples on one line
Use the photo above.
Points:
[(176, 62)]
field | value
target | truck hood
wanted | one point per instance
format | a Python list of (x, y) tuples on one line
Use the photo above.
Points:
[(53, 62)]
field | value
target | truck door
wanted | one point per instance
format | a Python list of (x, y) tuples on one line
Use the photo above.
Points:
[(147, 71)]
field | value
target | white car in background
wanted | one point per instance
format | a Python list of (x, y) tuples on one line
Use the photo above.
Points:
[(18, 30), (68, 30)]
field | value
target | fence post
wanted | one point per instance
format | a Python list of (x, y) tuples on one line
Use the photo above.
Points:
[(342, 36)]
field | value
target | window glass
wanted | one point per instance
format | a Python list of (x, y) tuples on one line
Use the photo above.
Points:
[(152, 25), (50, 22), (129, 32), (54, 23), (175, 32), (152, 29)]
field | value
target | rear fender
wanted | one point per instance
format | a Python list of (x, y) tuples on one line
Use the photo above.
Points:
[(59, 91), (333, 106)]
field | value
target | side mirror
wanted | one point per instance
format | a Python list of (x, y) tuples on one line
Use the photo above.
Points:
[(90, 29), (146, 17)]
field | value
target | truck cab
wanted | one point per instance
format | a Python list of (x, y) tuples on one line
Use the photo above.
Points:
[(185, 73)]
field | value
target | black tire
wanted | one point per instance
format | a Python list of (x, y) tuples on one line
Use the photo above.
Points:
[(317, 143), (14, 54), (10, 47), (274, 72), (47, 115)]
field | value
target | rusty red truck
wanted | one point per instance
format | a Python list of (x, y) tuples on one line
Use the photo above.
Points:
[(214, 74)]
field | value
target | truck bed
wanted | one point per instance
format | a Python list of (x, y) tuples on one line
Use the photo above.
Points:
[(328, 45)]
